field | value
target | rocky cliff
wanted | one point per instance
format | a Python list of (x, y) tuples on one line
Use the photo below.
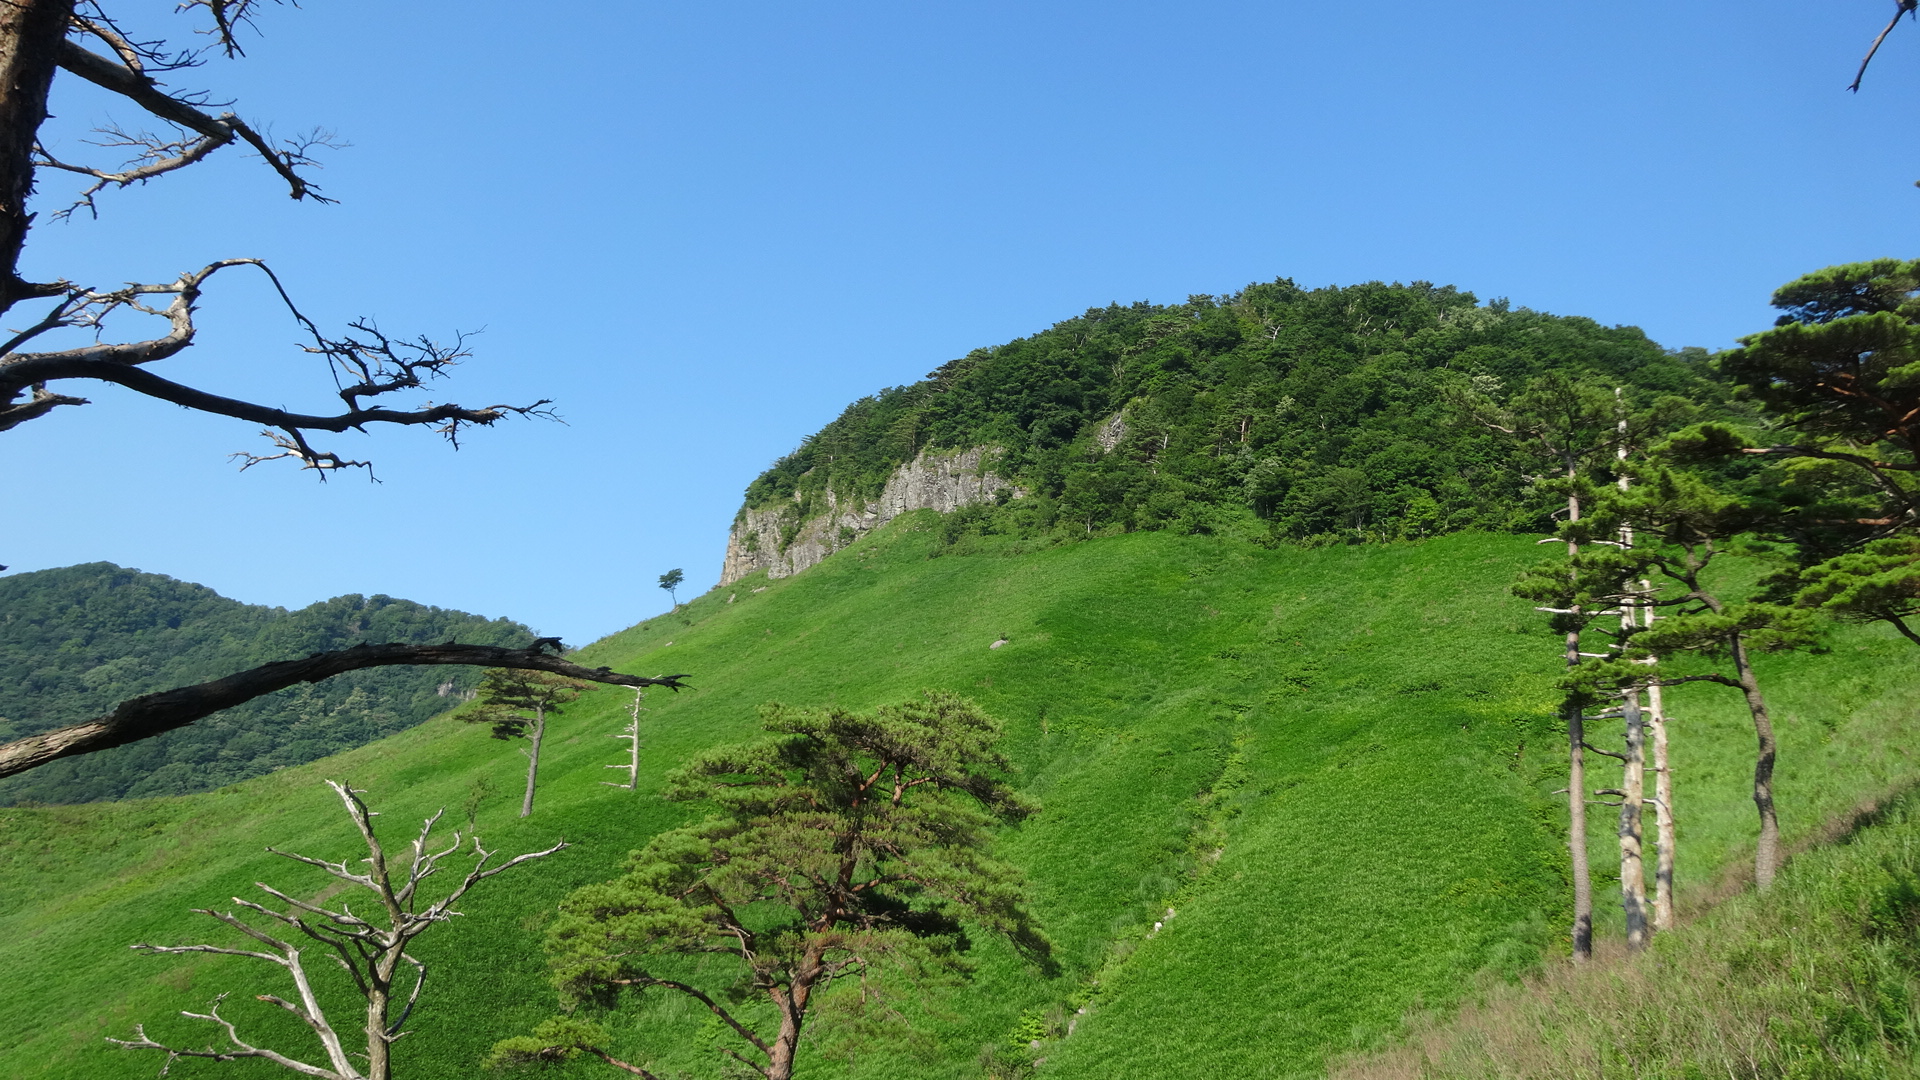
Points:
[(778, 540)]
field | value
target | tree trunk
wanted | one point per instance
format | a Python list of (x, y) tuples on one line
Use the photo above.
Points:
[(30, 35), (1577, 779), (1633, 880), (533, 757), (1663, 806), (1766, 852), (379, 1050), (793, 1013)]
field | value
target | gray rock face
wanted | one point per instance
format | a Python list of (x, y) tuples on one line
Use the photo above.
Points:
[(942, 481)]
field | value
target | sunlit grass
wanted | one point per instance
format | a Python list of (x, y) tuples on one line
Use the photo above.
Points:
[(1334, 764)]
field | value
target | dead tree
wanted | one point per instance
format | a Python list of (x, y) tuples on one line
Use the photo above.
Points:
[(1662, 800), (88, 334), (1633, 878), (632, 735), (372, 950)]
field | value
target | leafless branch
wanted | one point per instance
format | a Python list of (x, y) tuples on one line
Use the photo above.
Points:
[(146, 716), (1904, 7), (378, 948)]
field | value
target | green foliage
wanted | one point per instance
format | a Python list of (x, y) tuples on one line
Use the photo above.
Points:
[(1842, 362), (1880, 582), (671, 581), (1329, 414), (843, 842), (507, 695), (75, 642)]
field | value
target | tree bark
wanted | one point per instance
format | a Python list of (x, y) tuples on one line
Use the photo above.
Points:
[(1577, 777), (1633, 880), (533, 755), (1766, 852), (31, 34), (793, 1012), (152, 714), (1663, 806)]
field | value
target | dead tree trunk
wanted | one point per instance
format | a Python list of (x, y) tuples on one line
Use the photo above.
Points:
[(1577, 769), (1633, 876), (533, 755), (1633, 880), (1663, 808), (371, 953), (632, 735), (1662, 800), (1766, 852), (151, 714), (30, 35)]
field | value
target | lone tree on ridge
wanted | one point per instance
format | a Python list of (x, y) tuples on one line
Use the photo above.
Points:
[(670, 581)]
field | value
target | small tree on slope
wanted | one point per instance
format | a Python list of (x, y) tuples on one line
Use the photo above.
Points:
[(372, 948), (844, 842), (517, 704)]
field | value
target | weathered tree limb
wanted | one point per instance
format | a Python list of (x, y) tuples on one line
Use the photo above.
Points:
[(152, 714), (375, 954), (30, 35), (1905, 8)]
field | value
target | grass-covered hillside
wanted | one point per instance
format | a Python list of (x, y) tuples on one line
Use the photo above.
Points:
[(1818, 979), (78, 640), (1334, 765)]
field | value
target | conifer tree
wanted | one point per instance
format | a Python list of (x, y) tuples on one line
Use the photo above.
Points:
[(1683, 526), (1574, 423), (843, 843), (517, 704)]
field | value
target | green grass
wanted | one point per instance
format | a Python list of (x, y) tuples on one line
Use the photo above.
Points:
[(1817, 980), (1334, 764)]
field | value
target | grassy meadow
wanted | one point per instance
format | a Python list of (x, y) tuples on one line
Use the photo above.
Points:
[(1333, 765)]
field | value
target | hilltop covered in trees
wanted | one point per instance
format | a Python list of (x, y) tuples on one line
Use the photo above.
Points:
[(1298, 414), (77, 640)]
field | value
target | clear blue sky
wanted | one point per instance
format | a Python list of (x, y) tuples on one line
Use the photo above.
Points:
[(705, 228)]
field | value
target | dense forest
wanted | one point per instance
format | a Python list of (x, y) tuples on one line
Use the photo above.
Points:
[(1280, 412), (77, 640)]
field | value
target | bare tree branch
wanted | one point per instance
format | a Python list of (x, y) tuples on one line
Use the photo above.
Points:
[(1905, 8), (146, 716), (378, 949)]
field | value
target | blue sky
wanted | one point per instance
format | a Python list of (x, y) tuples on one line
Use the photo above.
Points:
[(703, 229)]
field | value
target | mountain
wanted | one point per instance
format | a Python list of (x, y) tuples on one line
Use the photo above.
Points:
[(1275, 414), (78, 640), (1236, 580)]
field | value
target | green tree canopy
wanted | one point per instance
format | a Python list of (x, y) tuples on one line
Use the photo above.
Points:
[(841, 844)]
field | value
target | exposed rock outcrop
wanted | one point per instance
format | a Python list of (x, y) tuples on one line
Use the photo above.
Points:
[(934, 480)]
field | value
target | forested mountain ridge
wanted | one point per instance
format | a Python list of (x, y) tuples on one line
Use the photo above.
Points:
[(77, 640), (1275, 412)]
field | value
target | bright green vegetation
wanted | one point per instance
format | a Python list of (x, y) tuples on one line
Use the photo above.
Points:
[(1819, 982), (76, 641), (1275, 411), (1334, 764)]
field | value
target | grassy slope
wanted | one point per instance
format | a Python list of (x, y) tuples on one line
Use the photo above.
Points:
[(1361, 733)]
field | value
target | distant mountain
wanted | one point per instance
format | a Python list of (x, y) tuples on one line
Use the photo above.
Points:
[(78, 640)]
